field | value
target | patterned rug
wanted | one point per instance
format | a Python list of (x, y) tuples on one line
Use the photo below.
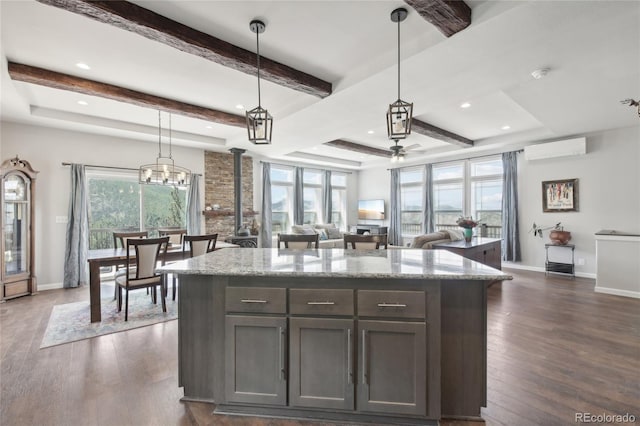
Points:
[(71, 322)]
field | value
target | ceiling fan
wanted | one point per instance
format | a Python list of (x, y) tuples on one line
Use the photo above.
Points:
[(398, 152)]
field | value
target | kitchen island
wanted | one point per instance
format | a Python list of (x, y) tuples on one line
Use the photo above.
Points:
[(392, 336)]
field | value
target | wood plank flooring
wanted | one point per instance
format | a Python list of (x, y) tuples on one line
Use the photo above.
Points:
[(554, 348)]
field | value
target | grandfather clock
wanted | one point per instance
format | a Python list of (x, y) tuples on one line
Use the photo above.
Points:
[(17, 241)]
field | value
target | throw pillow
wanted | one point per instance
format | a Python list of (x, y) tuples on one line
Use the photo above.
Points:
[(334, 233), (455, 234), (324, 226), (302, 229), (323, 234)]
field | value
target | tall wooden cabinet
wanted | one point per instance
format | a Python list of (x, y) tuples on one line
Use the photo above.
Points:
[(17, 242)]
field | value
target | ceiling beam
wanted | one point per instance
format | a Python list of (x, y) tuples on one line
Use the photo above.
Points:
[(434, 132), (448, 16), (136, 19), (56, 80), (363, 149)]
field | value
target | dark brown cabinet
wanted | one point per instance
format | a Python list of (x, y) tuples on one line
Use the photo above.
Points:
[(487, 251), (321, 359), (256, 359)]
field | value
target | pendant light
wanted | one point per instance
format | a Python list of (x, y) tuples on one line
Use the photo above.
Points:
[(400, 112), (164, 171), (259, 121)]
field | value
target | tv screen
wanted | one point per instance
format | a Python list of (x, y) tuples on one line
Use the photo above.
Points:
[(371, 209)]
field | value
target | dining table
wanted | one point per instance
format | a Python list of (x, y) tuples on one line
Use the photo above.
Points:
[(110, 257)]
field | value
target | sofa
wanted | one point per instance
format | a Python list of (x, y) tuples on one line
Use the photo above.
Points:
[(427, 241), (330, 235)]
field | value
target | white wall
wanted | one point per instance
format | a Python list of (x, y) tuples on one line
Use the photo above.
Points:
[(609, 194), (46, 149)]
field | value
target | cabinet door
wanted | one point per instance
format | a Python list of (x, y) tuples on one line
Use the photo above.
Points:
[(321, 359), (392, 367), (255, 359)]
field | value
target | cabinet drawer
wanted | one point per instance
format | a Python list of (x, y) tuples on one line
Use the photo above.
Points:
[(396, 304), (256, 299), (321, 302)]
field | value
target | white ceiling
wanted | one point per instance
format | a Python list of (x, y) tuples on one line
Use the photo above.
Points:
[(592, 49)]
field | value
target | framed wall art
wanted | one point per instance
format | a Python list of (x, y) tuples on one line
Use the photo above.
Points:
[(560, 195)]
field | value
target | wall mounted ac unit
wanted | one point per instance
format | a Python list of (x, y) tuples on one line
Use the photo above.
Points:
[(565, 148)]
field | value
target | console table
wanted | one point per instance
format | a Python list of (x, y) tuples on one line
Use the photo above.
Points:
[(484, 250), (560, 267), (372, 229)]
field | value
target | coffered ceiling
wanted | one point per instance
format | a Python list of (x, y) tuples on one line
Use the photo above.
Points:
[(591, 48)]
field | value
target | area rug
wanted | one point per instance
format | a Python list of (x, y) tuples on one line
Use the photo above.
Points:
[(71, 322)]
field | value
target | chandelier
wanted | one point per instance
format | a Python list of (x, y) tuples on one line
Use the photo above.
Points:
[(164, 171), (400, 112), (259, 121)]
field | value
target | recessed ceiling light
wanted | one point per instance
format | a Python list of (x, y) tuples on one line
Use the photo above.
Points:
[(540, 73), (371, 132), (209, 127), (465, 105), (83, 103), (240, 106), (83, 66), (505, 127)]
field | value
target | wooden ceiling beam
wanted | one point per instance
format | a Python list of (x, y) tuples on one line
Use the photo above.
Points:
[(363, 149), (136, 19), (56, 80), (448, 16), (434, 132)]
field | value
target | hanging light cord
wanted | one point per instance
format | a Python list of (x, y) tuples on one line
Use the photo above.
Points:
[(170, 152), (398, 58), (258, 53), (159, 135)]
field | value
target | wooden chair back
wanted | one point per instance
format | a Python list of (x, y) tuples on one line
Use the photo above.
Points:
[(175, 235), (299, 241), (200, 244), (363, 242), (120, 238), (148, 252)]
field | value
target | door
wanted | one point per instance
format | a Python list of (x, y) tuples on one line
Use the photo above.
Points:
[(392, 367), (255, 359), (321, 359)]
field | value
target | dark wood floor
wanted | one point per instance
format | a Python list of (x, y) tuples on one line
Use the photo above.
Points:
[(554, 348)]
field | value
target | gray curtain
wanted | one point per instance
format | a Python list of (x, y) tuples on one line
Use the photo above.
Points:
[(510, 233), (76, 268), (326, 196), (194, 209), (428, 199), (298, 196), (395, 221), (265, 234)]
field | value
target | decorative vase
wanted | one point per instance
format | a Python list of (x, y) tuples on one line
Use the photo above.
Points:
[(468, 234), (559, 238)]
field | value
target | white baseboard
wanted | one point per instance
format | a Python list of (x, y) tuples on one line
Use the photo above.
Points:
[(51, 286), (510, 265), (618, 292)]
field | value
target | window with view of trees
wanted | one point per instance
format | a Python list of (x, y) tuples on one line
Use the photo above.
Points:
[(411, 200), (469, 188), (282, 178), (120, 203)]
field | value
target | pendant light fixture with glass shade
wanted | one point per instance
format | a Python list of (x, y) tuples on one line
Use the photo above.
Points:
[(400, 112), (164, 171), (259, 121)]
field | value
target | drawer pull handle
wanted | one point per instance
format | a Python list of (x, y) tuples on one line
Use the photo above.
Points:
[(252, 301), (321, 303), (392, 305)]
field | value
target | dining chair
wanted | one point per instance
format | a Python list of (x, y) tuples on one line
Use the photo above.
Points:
[(148, 252), (175, 235), (358, 241), (299, 241), (120, 240), (195, 245)]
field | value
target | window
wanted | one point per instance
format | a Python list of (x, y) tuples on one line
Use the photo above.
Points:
[(281, 199), (411, 201), (312, 195), (469, 188), (339, 199), (119, 202)]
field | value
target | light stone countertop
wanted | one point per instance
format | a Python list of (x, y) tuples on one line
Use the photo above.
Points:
[(397, 264)]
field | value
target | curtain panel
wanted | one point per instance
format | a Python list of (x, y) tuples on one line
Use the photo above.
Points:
[(76, 268), (298, 196), (429, 225), (395, 222), (194, 209), (327, 208), (510, 233), (265, 214)]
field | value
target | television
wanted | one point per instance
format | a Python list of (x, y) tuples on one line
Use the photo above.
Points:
[(371, 209)]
